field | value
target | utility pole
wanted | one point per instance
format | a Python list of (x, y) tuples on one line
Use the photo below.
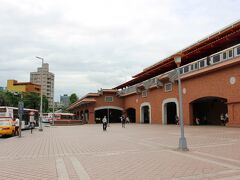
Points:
[(20, 114), (41, 102), (53, 112), (182, 140)]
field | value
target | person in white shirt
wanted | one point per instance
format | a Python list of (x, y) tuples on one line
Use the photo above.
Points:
[(104, 121), (17, 124), (197, 121)]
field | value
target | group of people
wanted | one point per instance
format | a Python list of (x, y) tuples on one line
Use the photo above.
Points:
[(124, 119), (223, 119), (17, 125), (197, 121)]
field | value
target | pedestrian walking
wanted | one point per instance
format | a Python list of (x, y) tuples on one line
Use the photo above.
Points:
[(32, 123), (226, 118), (123, 120), (127, 120), (104, 121), (197, 121), (222, 119), (177, 120), (17, 124)]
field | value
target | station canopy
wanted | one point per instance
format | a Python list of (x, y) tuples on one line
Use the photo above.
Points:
[(215, 42)]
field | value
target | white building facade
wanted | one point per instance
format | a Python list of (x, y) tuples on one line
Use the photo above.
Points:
[(48, 82)]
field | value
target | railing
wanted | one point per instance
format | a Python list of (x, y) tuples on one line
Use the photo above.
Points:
[(216, 58), (213, 59)]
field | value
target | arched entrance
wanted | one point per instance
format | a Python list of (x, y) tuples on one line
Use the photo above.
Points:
[(111, 112), (208, 110), (131, 113), (145, 113), (169, 111)]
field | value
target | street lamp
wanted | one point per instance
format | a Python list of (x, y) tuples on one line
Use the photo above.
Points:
[(53, 112), (182, 140), (41, 102)]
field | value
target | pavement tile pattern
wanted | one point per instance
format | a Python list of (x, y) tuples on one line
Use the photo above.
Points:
[(142, 152)]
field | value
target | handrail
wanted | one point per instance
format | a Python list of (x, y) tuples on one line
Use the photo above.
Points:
[(207, 61)]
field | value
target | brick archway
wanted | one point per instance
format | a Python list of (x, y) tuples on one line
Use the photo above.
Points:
[(208, 110), (164, 108), (142, 116)]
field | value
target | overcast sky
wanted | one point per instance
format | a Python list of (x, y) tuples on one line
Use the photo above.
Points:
[(93, 44)]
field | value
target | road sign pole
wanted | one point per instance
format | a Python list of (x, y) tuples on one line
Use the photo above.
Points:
[(20, 114)]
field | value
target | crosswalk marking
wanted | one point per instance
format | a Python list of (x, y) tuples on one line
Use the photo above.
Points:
[(81, 172), (61, 170)]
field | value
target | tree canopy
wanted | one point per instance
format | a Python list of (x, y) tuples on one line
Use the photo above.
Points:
[(73, 98), (31, 100)]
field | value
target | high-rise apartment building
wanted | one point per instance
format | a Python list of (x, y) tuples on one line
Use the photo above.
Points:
[(48, 81), (64, 100)]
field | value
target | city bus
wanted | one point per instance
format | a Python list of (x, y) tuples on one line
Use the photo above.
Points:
[(47, 117), (6, 111), (60, 118)]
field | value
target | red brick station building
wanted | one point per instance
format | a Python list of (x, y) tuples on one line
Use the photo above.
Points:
[(210, 76)]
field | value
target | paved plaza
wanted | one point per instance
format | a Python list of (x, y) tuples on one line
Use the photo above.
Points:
[(137, 152)]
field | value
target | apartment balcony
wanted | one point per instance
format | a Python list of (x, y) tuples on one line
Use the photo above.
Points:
[(213, 60)]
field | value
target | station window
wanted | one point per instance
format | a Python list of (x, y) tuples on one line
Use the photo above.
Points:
[(230, 54), (201, 63), (238, 50), (108, 99), (192, 67), (144, 93), (181, 70), (196, 65), (216, 58), (186, 69), (168, 87), (224, 55)]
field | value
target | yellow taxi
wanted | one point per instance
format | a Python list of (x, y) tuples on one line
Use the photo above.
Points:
[(7, 126)]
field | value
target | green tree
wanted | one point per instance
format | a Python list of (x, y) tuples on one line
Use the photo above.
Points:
[(9, 99), (2, 98), (45, 104), (73, 98), (32, 101)]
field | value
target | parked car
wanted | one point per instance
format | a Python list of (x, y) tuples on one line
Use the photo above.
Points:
[(7, 126)]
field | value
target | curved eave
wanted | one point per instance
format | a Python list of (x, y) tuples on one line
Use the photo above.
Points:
[(195, 47), (213, 43)]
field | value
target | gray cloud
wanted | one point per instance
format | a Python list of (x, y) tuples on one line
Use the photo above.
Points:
[(100, 44)]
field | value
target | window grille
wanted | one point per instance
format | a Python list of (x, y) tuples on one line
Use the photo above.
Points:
[(168, 87), (108, 99), (144, 93)]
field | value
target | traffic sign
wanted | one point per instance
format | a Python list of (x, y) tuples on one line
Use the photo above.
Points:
[(20, 107)]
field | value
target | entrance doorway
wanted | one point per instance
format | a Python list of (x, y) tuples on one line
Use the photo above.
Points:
[(208, 110), (171, 112), (145, 112), (112, 115), (131, 113)]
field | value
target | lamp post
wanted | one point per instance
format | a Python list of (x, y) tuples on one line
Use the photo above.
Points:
[(20, 114), (53, 112), (41, 102), (182, 140)]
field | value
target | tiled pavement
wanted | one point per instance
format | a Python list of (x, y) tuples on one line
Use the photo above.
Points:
[(137, 152)]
